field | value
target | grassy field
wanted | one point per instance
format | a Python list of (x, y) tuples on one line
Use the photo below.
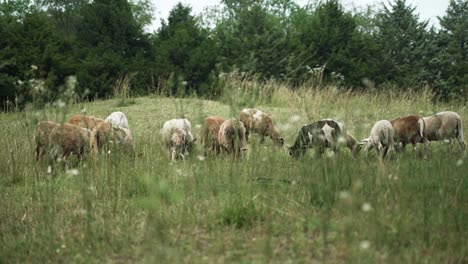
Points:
[(266, 207)]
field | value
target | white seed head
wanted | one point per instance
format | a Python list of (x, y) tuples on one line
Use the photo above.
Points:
[(344, 195), (366, 207), (73, 172), (459, 162), (365, 244), (295, 118), (201, 158)]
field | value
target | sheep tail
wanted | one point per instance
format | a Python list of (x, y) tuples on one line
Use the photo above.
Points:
[(422, 128), (459, 130)]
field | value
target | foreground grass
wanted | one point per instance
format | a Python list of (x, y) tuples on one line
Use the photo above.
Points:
[(263, 208)]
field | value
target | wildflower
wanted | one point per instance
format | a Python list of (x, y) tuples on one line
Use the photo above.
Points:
[(365, 244), (33, 67), (108, 152), (366, 207), (446, 141), (329, 153), (73, 172), (344, 195), (295, 118), (341, 140), (49, 169), (84, 110), (201, 158), (60, 103), (459, 162)]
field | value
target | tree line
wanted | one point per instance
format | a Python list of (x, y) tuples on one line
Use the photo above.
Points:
[(388, 47)]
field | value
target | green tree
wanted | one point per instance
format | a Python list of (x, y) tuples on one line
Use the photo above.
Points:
[(185, 52), (110, 43), (402, 40), (452, 46)]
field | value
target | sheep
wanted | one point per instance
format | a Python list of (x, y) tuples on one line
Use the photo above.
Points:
[(231, 137), (68, 139), (259, 122), (445, 126), (410, 129), (106, 133), (42, 138), (381, 138), (118, 119), (319, 135), (83, 121), (177, 137), (209, 134)]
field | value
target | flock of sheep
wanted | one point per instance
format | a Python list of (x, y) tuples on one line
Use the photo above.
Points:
[(220, 136), (82, 134), (87, 134)]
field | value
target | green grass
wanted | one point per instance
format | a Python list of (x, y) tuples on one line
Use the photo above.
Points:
[(266, 207)]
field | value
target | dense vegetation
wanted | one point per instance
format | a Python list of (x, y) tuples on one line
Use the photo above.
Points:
[(388, 47), (266, 207)]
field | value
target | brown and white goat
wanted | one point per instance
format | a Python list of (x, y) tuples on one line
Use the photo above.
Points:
[(259, 122)]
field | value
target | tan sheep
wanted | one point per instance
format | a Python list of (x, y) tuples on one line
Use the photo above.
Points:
[(83, 121), (68, 139), (42, 138), (106, 135), (232, 137), (259, 122), (209, 134), (445, 126)]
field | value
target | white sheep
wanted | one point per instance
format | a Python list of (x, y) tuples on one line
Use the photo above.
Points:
[(381, 138), (445, 126), (177, 137), (118, 119)]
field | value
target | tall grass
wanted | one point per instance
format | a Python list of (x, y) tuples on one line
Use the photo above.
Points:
[(265, 207)]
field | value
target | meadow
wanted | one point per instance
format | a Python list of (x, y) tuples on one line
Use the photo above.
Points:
[(265, 207)]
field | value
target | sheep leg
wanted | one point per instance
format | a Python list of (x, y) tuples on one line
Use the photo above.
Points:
[(262, 139)]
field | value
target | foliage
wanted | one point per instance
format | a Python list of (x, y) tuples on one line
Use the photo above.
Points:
[(320, 43), (264, 207)]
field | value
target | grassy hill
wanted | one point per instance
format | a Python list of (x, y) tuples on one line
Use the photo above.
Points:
[(263, 208)]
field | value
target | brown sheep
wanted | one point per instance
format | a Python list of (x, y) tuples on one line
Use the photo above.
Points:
[(410, 129), (42, 138), (259, 122), (83, 121), (105, 134), (68, 139), (231, 137), (209, 134)]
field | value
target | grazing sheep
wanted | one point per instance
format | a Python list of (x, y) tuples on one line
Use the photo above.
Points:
[(319, 135), (68, 139), (106, 134), (83, 121), (209, 134), (342, 136), (42, 138), (259, 122), (178, 138), (445, 126), (118, 119), (410, 129), (231, 137), (381, 138)]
